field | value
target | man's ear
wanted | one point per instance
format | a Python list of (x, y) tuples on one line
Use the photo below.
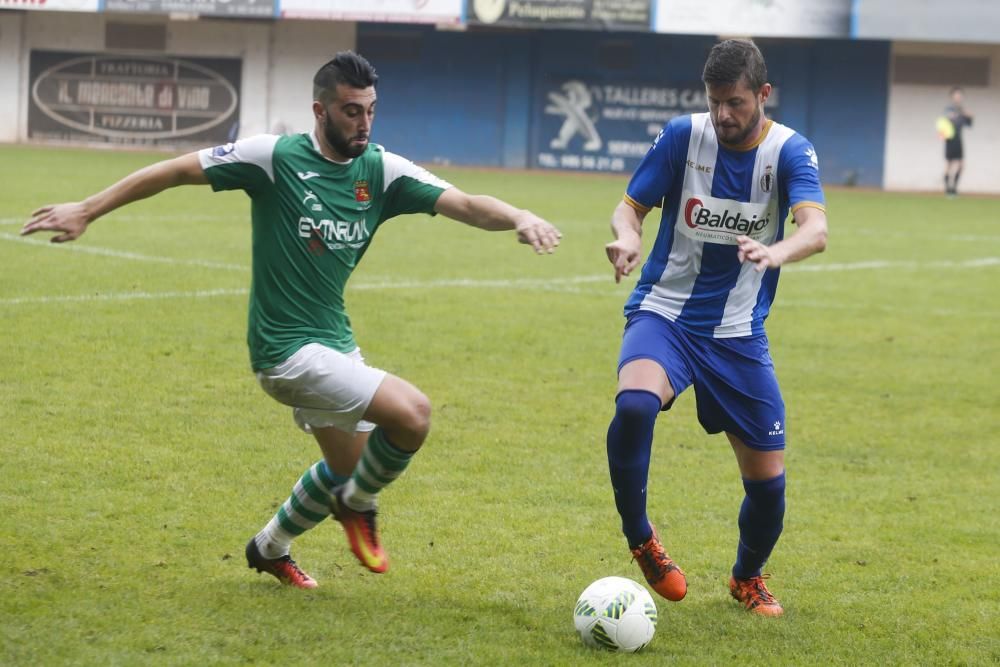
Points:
[(765, 92)]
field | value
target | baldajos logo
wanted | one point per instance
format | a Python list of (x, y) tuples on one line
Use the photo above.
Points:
[(697, 215)]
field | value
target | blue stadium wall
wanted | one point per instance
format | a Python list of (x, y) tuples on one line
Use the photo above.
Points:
[(479, 98)]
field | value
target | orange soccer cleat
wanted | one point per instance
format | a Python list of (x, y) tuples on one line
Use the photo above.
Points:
[(284, 568), (661, 573), (753, 594), (362, 533)]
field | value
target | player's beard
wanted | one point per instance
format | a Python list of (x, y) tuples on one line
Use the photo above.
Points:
[(339, 143), (744, 132)]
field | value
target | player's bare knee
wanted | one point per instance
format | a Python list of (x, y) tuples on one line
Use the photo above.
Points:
[(411, 423), (419, 420)]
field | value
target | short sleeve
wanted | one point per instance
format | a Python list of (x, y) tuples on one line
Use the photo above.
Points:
[(408, 187), (652, 178), (798, 171), (243, 165)]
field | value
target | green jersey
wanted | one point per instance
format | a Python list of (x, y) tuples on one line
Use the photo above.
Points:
[(312, 220)]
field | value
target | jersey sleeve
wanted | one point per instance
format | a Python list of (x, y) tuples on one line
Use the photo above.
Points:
[(657, 170), (409, 188), (244, 165), (798, 171)]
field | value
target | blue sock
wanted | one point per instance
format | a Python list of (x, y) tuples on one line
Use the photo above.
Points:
[(761, 521), (630, 439), (337, 479)]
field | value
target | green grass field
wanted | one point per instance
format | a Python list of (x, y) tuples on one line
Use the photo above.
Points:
[(139, 455)]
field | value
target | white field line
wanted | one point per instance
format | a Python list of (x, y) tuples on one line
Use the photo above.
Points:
[(145, 217), (121, 254), (783, 304), (167, 217), (911, 265), (975, 238), (533, 283), (566, 285), (124, 296)]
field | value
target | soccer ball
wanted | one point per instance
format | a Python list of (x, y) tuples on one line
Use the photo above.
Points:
[(615, 613)]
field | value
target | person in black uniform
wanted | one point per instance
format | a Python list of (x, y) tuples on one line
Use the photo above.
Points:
[(953, 153)]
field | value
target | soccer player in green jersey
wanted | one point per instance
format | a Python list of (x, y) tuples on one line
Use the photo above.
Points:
[(317, 199)]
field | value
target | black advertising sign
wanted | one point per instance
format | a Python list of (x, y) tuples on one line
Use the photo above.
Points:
[(593, 123), (141, 100), (252, 8), (633, 15)]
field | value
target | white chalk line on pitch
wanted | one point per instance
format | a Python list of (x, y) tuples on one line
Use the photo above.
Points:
[(567, 285), (459, 282), (895, 264), (124, 296), (145, 217), (975, 238), (121, 254)]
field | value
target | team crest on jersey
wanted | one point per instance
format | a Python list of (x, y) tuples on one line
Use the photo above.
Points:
[(361, 192), (767, 180), (225, 149)]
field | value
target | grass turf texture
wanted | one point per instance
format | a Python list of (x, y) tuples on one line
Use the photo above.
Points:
[(139, 454)]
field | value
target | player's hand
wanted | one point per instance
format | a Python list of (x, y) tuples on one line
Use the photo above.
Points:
[(539, 234), (70, 219), (624, 254), (761, 256)]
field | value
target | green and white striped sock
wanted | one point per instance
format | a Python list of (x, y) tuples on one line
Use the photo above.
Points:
[(381, 463), (308, 505)]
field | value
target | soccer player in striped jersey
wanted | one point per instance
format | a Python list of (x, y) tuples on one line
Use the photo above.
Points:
[(726, 181), (317, 199)]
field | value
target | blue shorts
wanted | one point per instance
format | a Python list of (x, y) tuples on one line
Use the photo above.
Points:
[(735, 387)]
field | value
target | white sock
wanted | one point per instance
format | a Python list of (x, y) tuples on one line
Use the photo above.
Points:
[(357, 498), (273, 541)]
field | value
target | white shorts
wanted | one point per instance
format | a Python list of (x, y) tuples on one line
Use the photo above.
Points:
[(324, 387)]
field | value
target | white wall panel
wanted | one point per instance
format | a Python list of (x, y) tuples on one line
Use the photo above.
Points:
[(760, 18), (300, 48), (11, 66), (931, 20)]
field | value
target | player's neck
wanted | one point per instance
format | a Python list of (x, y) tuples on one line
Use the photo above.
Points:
[(755, 137), (327, 151)]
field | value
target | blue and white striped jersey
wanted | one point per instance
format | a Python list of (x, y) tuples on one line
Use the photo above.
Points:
[(711, 194)]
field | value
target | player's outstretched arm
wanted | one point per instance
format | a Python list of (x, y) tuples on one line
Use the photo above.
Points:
[(625, 251), (71, 219), (807, 241), (492, 214)]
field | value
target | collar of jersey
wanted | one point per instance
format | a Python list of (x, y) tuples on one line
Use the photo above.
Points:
[(312, 137), (753, 144)]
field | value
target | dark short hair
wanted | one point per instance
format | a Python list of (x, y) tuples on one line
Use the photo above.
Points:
[(732, 60), (956, 89), (347, 68)]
